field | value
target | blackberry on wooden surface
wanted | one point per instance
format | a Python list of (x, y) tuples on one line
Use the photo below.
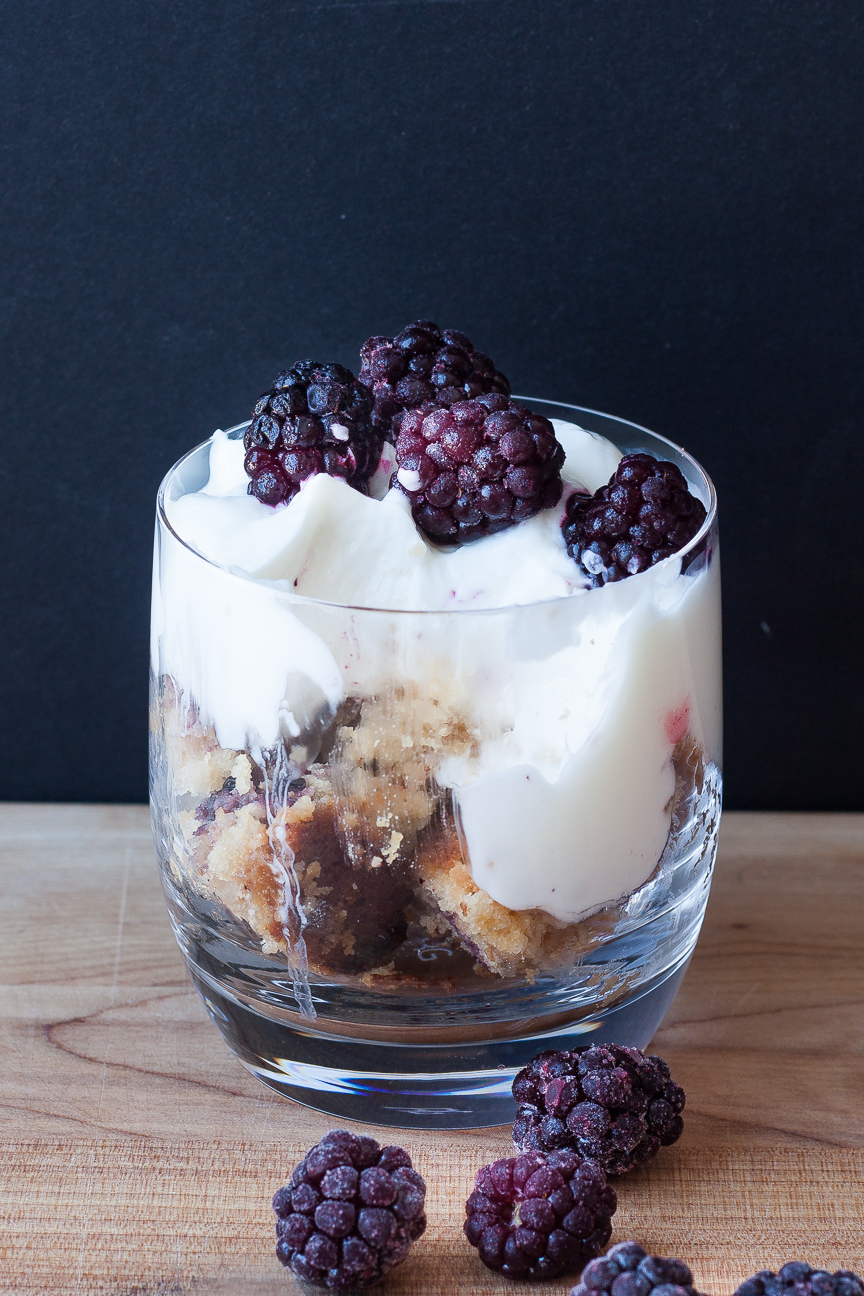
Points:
[(645, 514), (611, 1104), (424, 364), (537, 1216), (316, 418), (476, 468), (798, 1279), (628, 1270), (350, 1212)]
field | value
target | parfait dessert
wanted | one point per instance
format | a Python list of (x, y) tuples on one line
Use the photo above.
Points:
[(435, 727)]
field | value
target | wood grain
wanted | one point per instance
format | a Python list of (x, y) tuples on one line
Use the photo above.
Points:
[(139, 1156)]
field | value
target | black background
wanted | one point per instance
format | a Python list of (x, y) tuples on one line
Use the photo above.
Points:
[(652, 207)]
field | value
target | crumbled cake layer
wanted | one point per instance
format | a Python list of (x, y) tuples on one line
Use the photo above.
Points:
[(504, 940), (367, 841)]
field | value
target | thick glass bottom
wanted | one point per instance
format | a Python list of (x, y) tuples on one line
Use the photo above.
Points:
[(455, 1085)]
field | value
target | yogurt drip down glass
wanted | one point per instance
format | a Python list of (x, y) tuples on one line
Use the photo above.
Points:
[(404, 851)]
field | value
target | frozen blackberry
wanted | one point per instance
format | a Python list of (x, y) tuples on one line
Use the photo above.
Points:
[(424, 364), (350, 1212), (628, 1270), (797, 1279), (316, 418), (613, 1105), (538, 1216), (478, 467), (645, 514)]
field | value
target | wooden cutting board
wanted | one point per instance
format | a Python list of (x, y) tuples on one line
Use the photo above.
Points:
[(139, 1157)]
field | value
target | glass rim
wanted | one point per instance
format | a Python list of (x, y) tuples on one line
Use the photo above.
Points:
[(305, 599)]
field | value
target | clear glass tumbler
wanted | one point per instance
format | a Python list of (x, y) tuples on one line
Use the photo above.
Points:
[(464, 837)]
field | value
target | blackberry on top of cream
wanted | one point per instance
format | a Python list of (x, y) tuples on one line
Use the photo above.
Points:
[(473, 643)]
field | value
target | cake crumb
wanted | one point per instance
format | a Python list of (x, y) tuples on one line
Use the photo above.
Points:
[(241, 772), (396, 839)]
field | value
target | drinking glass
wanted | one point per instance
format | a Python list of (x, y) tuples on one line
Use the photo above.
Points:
[(464, 837)]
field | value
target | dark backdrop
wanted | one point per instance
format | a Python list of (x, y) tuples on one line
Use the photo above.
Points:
[(647, 206)]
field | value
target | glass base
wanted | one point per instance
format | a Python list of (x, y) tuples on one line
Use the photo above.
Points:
[(416, 1086)]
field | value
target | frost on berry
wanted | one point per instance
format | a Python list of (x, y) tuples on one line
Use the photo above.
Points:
[(613, 1105), (316, 418), (350, 1213), (476, 468), (425, 365), (796, 1278), (628, 1270), (646, 513), (539, 1215)]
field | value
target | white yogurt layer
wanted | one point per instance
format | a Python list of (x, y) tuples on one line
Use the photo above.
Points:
[(333, 543), (577, 696)]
